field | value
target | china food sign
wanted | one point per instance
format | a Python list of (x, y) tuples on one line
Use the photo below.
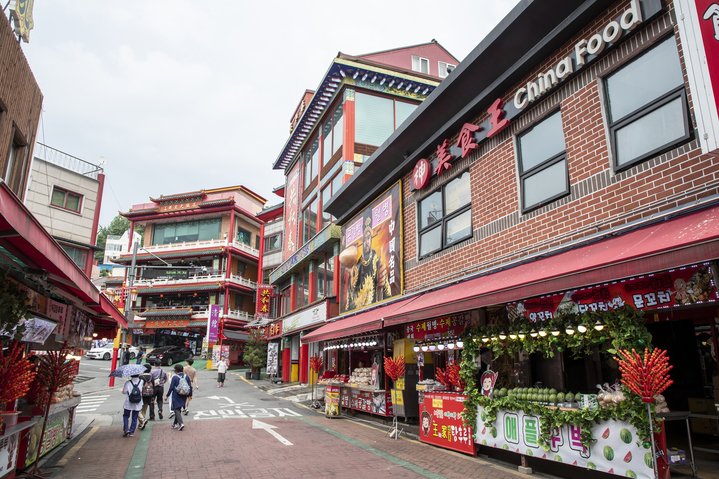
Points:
[(441, 422), (615, 451), (677, 287), (371, 256)]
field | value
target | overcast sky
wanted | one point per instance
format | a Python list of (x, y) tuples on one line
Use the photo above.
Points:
[(181, 96)]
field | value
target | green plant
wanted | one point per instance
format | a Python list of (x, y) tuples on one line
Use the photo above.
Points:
[(14, 304), (256, 350)]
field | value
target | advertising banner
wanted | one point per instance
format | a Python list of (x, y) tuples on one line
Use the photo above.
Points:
[(615, 452), (445, 327), (37, 330), (308, 317), (57, 312), (292, 215), (8, 453), (212, 323), (441, 423), (272, 358), (203, 354), (677, 287), (332, 401), (264, 293), (371, 253), (58, 426), (216, 354), (80, 330), (367, 401)]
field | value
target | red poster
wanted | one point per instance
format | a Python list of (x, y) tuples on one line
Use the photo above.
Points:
[(708, 16), (441, 423), (444, 327), (677, 287), (292, 214), (264, 293)]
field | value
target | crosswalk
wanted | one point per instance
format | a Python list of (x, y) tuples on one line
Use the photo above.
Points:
[(91, 403)]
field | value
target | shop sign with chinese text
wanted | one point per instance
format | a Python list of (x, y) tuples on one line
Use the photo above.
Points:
[(441, 422), (615, 451), (375, 235), (213, 323), (272, 358), (332, 401), (291, 212), (187, 205), (677, 287), (444, 327), (177, 323), (264, 293), (274, 330)]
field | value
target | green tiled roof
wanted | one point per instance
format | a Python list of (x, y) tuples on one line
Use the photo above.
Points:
[(197, 323), (179, 288), (152, 313)]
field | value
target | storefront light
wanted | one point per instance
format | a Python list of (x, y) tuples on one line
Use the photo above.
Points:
[(485, 339), (425, 348), (542, 332), (570, 329), (533, 333), (432, 347), (502, 336), (582, 328), (415, 348), (521, 334), (440, 346), (599, 325), (512, 335), (555, 332), (460, 343), (450, 345), (494, 338)]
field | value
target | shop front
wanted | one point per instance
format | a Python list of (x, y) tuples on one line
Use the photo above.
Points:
[(295, 353)]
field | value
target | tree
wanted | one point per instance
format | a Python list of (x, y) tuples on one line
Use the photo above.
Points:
[(118, 226), (256, 350), (104, 272)]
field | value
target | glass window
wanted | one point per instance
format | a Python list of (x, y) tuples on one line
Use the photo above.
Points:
[(305, 286), (329, 273), (420, 64), (337, 182), (445, 68), (308, 167), (273, 243), (315, 157), (326, 141), (326, 195), (402, 111), (200, 230), (445, 216), (78, 256), (320, 288), (543, 163), (64, 199), (647, 105), (337, 127), (314, 224), (58, 198), (305, 225), (374, 119), (244, 236)]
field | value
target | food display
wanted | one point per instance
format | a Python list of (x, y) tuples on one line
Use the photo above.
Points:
[(361, 377), (338, 380), (428, 385), (63, 394)]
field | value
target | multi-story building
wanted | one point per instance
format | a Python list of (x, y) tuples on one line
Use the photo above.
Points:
[(65, 195), (115, 245), (360, 101), (201, 249)]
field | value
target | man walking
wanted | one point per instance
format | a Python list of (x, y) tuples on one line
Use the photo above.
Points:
[(159, 377), (140, 354), (148, 396), (192, 377), (133, 403)]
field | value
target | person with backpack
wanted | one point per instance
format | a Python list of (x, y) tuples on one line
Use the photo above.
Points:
[(180, 388), (133, 404), (159, 378), (148, 396)]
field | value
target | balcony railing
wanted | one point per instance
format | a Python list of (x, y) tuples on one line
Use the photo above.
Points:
[(202, 311), (215, 277), (243, 281), (240, 315), (163, 248)]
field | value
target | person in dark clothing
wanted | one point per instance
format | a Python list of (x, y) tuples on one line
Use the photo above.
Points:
[(126, 355), (147, 401), (178, 401), (159, 378)]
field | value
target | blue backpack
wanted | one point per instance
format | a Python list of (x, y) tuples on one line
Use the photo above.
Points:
[(135, 395)]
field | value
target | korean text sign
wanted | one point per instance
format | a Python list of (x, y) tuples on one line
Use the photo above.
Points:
[(444, 327), (373, 241), (615, 452), (441, 423)]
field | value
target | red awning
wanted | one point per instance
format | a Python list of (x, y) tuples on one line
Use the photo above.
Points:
[(681, 241), (357, 324), (26, 245)]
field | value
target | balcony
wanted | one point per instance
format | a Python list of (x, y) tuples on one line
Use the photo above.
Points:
[(213, 277), (243, 281), (166, 248), (204, 313)]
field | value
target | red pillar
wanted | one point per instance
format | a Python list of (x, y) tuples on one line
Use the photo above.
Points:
[(304, 363), (348, 136), (132, 232), (231, 234), (227, 301), (228, 265), (286, 365), (293, 293), (313, 283)]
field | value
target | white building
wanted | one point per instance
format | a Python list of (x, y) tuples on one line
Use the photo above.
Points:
[(115, 245)]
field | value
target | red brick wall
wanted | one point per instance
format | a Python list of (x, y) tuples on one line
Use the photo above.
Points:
[(600, 199)]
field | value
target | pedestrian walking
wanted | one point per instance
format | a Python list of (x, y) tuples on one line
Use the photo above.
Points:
[(180, 389), (140, 355), (221, 370), (191, 374), (126, 355), (133, 403), (148, 396), (159, 377)]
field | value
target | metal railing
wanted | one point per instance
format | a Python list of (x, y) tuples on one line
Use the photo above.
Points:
[(216, 277), (64, 160), (202, 244)]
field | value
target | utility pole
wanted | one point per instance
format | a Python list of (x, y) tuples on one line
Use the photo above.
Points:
[(128, 312)]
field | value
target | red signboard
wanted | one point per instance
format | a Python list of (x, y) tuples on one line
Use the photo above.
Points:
[(421, 173), (442, 425), (678, 287), (444, 327), (292, 215), (264, 293), (708, 12), (274, 330), (177, 323)]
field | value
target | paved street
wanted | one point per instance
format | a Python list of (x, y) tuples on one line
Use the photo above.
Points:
[(241, 431)]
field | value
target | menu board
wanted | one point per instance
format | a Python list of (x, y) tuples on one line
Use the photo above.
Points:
[(332, 401), (441, 422)]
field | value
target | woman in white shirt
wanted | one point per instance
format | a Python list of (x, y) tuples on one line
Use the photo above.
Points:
[(133, 404), (221, 370)]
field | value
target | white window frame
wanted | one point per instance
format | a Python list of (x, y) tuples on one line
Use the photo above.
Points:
[(419, 61), (443, 69)]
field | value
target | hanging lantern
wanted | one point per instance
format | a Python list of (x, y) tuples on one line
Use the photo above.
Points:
[(133, 295)]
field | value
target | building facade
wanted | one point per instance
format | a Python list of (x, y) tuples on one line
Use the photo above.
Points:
[(358, 104), (115, 245), (65, 195), (201, 252)]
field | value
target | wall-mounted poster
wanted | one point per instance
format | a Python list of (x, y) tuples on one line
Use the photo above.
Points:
[(371, 253), (37, 330), (272, 358)]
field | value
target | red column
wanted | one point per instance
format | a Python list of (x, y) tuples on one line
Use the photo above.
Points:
[(293, 293), (228, 265), (304, 363), (231, 234), (227, 300), (313, 283), (132, 232), (348, 136), (260, 274), (286, 365)]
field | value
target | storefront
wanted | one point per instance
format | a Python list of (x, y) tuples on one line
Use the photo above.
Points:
[(296, 354)]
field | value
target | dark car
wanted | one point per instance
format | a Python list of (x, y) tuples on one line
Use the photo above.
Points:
[(169, 355)]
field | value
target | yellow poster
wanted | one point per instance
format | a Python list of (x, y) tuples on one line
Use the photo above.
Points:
[(22, 16), (437, 403)]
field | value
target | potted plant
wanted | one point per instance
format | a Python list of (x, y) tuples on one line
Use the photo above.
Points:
[(256, 352)]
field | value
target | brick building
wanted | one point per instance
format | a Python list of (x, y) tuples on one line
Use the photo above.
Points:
[(571, 155)]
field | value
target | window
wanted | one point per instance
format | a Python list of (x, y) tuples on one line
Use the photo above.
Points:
[(325, 276), (14, 150), (309, 220), (257, 242), (79, 256), (200, 230), (445, 216), (420, 64), (244, 236), (285, 301), (273, 243), (647, 106), (445, 69), (377, 117), (66, 200), (542, 155), (332, 132)]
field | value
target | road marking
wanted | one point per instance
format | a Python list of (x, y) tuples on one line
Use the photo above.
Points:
[(249, 412), (269, 428), (91, 403), (221, 397), (136, 468), (77, 446)]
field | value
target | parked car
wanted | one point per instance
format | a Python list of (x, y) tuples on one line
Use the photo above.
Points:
[(169, 355), (105, 352)]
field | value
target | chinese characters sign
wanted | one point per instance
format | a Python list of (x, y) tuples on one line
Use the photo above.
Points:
[(678, 287), (177, 323), (272, 358), (615, 452), (274, 330), (373, 243), (292, 195), (445, 327), (188, 205), (441, 423), (264, 293), (212, 323)]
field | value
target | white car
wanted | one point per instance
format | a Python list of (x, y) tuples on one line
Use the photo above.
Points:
[(105, 352)]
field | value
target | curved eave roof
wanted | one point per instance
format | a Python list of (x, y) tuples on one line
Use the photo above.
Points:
[(152, 313)]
